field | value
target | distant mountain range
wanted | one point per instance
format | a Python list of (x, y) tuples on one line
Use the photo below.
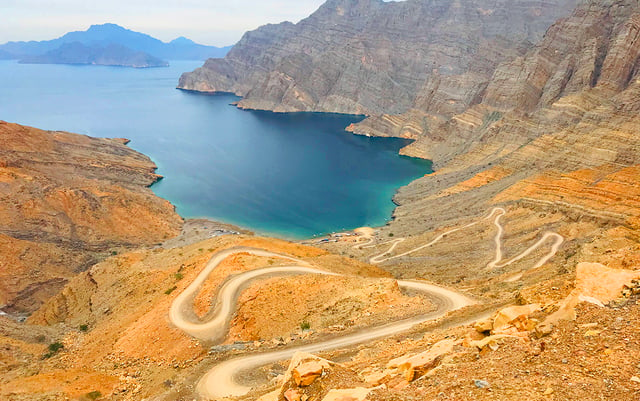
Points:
[(112, 54), (108, 43)]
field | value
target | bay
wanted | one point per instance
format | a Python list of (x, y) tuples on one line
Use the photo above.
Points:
[(293, 175)]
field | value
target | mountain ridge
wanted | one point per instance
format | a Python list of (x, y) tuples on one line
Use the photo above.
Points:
[(106, 34), (370, 57), (109, 55)]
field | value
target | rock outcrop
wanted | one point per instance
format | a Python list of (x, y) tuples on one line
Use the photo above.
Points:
[(373, 57), (66, 202)]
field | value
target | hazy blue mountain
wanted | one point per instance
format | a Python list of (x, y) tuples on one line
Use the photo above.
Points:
[(107, 34), (5, 55), (111, 54)]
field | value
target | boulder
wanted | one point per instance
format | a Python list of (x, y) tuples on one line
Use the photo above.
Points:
[(353, 394), (596, 284), (415, 366), (492, 341), (482, 326), (516, 316), (306, 373), (602, 283), (378, 378), (292, 395)]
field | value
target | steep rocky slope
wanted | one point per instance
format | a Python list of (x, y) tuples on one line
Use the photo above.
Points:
[(595, 47), (559, 159), (67, 201), (370, 56)]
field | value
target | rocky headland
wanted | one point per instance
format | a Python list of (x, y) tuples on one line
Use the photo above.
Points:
[(68, 201)]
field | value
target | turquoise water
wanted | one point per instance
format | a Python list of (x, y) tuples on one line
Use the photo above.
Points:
[(291, 175)]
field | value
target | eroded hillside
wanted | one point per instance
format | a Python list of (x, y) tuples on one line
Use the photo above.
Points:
[(66, 202)]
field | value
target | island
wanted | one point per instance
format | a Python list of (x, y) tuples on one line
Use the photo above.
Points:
[(110, 55)]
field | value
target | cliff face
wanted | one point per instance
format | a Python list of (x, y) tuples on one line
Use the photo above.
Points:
[(592, 53), (67, 201), (370, 56), (554, 141)]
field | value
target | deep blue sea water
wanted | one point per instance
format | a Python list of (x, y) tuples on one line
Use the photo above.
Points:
[(291, 175)]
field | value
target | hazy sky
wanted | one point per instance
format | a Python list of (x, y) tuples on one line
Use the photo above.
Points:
[(211, 22)]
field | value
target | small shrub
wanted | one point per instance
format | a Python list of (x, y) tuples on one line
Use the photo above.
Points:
[(54, 348), (114, 253), (94, 395), (170, 290), (200, 249), (84, 328), (179, 276), (391, 234), (305, 325), (41, 338)]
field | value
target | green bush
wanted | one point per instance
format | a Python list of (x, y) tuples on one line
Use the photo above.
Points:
[(84, 328), (179, 276), (305, 325), (170, 290), (94, 395), (54, 348)]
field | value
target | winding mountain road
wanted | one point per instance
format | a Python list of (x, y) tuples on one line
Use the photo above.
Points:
[(498, 212), (220, 381)]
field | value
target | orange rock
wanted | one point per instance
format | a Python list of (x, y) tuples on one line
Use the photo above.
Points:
[(417, 365), (377, 378), (306, 373), (516, 316), (602, 283), (353, 394), (292, 395), (595, 283)]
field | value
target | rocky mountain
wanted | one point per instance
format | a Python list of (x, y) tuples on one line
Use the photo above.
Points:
[(111, 34), (111, 55), (371, 57), (66, 202), (533, 214)]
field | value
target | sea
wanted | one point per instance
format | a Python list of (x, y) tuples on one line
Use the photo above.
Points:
[(294, 175)]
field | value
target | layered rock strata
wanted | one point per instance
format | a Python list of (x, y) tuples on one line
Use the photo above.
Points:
[(372, 57)]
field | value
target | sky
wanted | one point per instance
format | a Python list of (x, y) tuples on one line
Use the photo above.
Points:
[(210, 22)]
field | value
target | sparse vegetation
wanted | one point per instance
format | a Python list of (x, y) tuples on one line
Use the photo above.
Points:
[(179, 276), (94, 395), (54, 348), (84, 328), (170, 290), (114, 253), (40, 338), (305, 325), (391, 234)]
